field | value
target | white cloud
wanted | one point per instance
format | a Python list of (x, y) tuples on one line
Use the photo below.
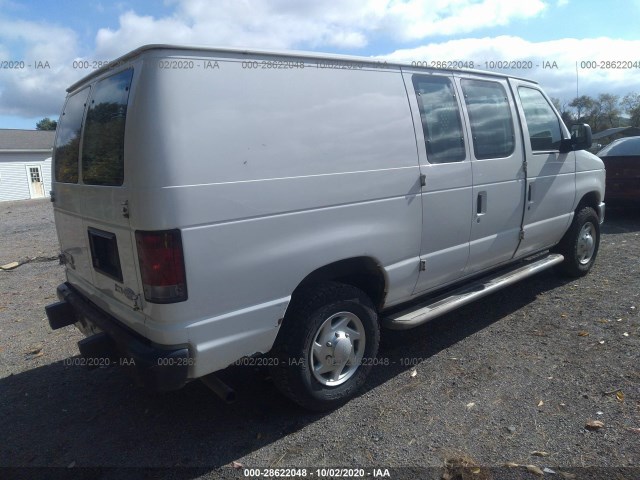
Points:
[(4, 53), (31, 91), (348, 24), (279, 24), (138, 30), (415, 19), (566, 53), (315, 23)]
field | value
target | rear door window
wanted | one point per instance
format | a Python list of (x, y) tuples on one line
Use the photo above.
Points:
[(542, 122), (103, 143), (67, 148), (490, 117), (440, 116)]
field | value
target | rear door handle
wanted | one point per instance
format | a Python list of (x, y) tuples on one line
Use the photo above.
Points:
[(530, 196), (481, 204)]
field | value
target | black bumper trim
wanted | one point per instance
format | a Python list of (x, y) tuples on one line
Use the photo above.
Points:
[(160, 367)]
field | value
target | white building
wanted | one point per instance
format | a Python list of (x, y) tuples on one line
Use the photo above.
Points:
[(25, 163)]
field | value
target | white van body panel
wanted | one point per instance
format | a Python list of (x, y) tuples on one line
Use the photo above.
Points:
[(590, 176), (272, 174), (353, 194)]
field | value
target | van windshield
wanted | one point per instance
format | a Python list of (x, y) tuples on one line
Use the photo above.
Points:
[(103, 142)]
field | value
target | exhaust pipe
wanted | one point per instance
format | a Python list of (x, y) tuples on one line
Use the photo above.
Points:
[(221, 389)]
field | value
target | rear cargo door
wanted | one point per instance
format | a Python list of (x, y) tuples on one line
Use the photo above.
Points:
[(91, 193)]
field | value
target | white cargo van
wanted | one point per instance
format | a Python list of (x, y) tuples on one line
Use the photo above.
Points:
[(217, 205)]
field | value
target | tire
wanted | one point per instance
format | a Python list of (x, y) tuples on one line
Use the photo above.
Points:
[(318, 361), (580, 244)]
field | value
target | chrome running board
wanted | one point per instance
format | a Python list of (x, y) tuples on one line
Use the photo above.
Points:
[(434, 307)]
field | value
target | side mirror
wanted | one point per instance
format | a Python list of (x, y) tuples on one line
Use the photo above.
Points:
[(580, 138)]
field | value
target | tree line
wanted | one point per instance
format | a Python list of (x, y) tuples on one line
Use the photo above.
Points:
[(46, 124), (601, 112)]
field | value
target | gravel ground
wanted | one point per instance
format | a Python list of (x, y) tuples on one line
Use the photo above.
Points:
[(513, 378)]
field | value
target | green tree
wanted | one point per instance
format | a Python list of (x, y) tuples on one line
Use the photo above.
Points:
[(631, 104), (609, 110), (594, 116), (46, 124), (582, 105), (563, 108)]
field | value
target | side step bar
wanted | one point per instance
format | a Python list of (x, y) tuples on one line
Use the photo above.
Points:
[(434, 307)]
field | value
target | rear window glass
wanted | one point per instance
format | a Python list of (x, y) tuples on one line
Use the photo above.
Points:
[(490, 117), (103, 145), (67, 148)]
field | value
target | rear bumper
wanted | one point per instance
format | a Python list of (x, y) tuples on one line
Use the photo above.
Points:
[(160, 367)]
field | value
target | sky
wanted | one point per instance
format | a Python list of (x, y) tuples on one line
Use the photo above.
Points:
[(568, 46)]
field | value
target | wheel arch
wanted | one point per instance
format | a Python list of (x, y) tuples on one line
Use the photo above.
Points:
[(364, 273), (589, 199), (592, 199)]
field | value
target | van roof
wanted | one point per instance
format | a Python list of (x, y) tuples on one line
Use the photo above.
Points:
[(249, 52)]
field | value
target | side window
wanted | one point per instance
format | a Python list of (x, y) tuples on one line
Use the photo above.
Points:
[(490, 117), (103, 145), (440, 116), (67, 148), (542, 122)]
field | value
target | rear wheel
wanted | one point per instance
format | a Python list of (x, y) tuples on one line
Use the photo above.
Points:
[(326, 346), (580, 244)]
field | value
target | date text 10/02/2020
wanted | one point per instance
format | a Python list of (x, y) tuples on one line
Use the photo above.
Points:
[(267, 361), (259, 361)]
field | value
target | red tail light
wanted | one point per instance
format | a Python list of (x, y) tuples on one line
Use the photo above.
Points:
[(162, 266)]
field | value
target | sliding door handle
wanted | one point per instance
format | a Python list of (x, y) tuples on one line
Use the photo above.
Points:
[(481, 204)]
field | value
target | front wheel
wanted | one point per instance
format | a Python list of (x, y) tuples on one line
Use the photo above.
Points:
[(326, 346), (580, 244)]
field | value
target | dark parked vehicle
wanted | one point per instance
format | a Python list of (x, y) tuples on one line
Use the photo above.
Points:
[(622, 161)]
